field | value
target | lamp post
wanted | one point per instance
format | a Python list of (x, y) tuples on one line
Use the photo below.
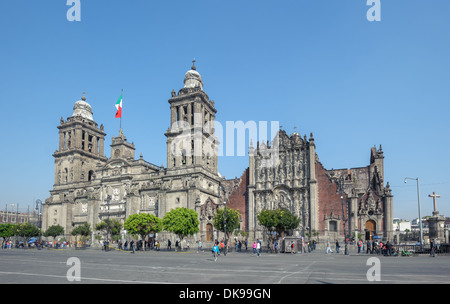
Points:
[(221, 187), (420, 217), (39, 212), (340, 189), (225, 228), (108, 199)]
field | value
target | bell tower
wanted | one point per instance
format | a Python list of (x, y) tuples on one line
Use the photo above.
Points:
[(81, 144), (190, 138)]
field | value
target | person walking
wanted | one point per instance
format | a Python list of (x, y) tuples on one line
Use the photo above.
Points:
[(215, 251), (132, 246), (337, 246), (368, 247), (292, 247), (199, 246), (329, 247), (169, 245), (432, 249), (359, 245), (258, 248)]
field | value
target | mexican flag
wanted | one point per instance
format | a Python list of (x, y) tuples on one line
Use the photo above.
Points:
[(119, 107)]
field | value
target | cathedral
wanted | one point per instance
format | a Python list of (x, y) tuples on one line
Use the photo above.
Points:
[(90, 187)]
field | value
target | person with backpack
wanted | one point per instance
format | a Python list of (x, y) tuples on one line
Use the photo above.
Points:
[(359, 245)]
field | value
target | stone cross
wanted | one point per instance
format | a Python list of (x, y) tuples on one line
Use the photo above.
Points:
[(434, 196)]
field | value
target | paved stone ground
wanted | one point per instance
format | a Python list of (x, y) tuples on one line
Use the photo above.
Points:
[(31, 266)]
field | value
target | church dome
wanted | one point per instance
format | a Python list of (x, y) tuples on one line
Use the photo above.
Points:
[(83, 109), (192, 79)]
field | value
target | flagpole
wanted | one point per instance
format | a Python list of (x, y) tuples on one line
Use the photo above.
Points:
[(121, 112)]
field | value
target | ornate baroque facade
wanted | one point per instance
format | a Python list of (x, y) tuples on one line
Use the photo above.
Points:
[(324, 200)]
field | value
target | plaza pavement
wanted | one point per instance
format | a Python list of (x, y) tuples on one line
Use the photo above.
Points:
[(56, 266)]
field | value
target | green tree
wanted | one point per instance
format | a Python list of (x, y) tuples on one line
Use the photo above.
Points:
[(83, 230), (142, 224), (114, 227), (54, 231), (277, 221), (181, 221), (232, 220), (6, 231), (26, 230)]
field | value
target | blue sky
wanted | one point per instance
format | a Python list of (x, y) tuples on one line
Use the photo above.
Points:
[(320, 66)]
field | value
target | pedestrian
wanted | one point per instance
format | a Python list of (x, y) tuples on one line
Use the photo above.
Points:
[(169, 245), (132, 246), (292, 247), (359, 245), (199, 246), (215, 251), (328, 247), (276, 246), (337, 246), (432, 249), (369, 247), (254, 247), (388, 248), (246, 244), (258, 248)]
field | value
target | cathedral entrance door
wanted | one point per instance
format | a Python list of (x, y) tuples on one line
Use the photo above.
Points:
[(209, 232), (371, 228)]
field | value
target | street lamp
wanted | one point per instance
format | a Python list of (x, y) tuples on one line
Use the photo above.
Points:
[(225, 228), (108, 199), (225, 218), (39, 212), (340, 189), (420, 217)]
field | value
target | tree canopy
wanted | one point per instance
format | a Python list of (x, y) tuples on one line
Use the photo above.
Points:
[(278, 220), (54, 231), (232, 220), (114, 227), (142, 224), (181, 221), (83, 230), (6, 230), (26, 230)]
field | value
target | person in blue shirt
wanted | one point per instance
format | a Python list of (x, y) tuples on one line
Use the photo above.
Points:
[(215, 251)]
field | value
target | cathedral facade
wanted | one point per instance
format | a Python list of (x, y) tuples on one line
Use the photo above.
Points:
[(90, 187), (285, 173)]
